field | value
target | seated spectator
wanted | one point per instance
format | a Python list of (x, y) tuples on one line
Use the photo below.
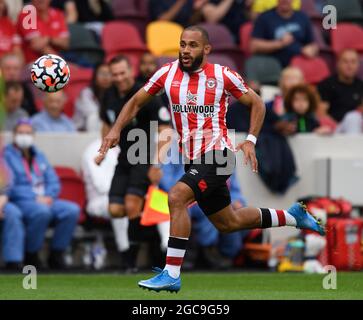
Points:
[(343, 91), (290, 77), (260, 6), (52, 118), (148, 65), (301, 102), (11, 68), (231, 13), (12, 230), (10, 40), (14, 95), (283, 33), (13, 8), (51, 34), (88, 104), (352, 122), (238, 115), (35, 190), (184, 12)]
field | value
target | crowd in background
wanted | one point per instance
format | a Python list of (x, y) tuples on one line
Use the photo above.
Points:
[(280, 30)]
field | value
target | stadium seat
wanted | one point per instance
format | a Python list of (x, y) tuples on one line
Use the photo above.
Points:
[(121, 37), (347, 10), (84, 49), (314, 69), (72, 188), (245, 32), (124, 8), (263, 69), (347, 35), (162, 38), (80, 78), (309, 8), (165, 59), (222, 42), (223, 60)]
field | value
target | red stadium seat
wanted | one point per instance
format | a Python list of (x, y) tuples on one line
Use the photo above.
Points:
[(72, 188), (245, 32), (80, 78), (223, 60), (314, 69), (122, 37), (222, 42), (347, 36)]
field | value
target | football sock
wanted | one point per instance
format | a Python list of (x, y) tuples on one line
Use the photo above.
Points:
[(276, 218), (175, 255)]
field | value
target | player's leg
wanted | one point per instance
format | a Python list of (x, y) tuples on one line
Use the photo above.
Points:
[(116, 208), (230, 220)]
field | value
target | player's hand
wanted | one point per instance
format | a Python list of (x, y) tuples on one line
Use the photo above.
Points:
[(111, 140), (155, 175), (249, 152)]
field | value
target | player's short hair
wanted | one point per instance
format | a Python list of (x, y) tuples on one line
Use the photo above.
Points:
[(204, 32), (119, 58)]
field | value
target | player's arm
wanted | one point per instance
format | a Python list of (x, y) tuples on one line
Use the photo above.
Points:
[(255, 103), (128, 112)]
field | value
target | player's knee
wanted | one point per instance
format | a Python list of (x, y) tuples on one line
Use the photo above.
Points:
[(176, 198), (133, 209), (116, 210), (227, 226)]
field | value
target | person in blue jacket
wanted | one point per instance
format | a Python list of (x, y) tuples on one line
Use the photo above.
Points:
[(11, 232), (218, 249), (34, 190)]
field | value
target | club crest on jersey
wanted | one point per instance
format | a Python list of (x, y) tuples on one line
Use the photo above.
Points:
[(211, 83)]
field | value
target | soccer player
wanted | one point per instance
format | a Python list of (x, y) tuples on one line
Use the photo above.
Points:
[(198, 94)]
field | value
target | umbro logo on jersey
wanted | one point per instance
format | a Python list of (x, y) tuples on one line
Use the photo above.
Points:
[(175, 83), (194, 172)]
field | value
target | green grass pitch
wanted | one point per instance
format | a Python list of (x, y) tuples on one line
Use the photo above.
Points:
[(220, 286)]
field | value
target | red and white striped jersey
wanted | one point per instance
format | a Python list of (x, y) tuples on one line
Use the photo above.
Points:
[(198, 102)]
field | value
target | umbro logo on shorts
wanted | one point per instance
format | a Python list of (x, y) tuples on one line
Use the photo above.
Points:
[(194, 172)]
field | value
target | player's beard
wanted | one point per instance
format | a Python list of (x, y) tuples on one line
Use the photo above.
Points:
[(197, 61)]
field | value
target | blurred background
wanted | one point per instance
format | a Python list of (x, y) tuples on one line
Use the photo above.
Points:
[(310, 147)]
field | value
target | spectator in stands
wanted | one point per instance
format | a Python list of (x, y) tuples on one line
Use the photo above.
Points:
[(343, 91), (184, 12), (51, 34), (35, 191), (148, 65), (13, 8), (14, 95), (283, 33), (68, 7), (11, 68), (10, 40), (238, 115), (88, 104), (301, 102), (260, 6), (352, 122), (12, 231), (231, 13), (52, 118)]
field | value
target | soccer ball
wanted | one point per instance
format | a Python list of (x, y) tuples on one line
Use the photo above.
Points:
[(50, 73)]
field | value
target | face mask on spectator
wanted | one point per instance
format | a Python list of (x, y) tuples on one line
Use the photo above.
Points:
[(23, 140)]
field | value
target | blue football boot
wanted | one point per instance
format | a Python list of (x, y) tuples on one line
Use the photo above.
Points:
[(162, 281), (304, 219)]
